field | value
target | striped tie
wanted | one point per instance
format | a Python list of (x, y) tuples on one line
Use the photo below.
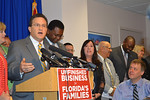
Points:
[(135, 92), (112, 79), (40, 55)]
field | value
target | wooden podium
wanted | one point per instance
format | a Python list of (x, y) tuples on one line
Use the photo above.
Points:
[(44, 85)]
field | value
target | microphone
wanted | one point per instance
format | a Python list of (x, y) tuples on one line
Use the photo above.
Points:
[(46, 55), (75, 60), (61, 59), (62, 52), (86, 64), (92, 65)]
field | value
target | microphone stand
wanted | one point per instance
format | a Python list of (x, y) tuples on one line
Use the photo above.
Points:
[(51, 62)]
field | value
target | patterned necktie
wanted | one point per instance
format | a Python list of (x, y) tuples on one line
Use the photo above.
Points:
[(40, 55), (112, 79), (125, 59), (135, 92)]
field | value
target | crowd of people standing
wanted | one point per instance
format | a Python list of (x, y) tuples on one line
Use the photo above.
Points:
[(119, 72)]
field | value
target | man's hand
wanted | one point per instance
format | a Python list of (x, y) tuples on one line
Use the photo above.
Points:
[(5, 96), (26, 67)]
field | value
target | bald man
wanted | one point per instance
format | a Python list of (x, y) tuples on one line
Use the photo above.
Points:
[(111, 77)]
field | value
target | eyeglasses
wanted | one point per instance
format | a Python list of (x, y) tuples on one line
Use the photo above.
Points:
[(107, 47), (38, 25)]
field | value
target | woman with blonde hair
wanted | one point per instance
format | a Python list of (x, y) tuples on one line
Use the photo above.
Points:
[(140, 50), (4, 91)]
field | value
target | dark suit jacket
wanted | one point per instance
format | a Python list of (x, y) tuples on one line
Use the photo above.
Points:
[(61, 46), (146, 74), (17, 51), (98, 80), (117, 58)]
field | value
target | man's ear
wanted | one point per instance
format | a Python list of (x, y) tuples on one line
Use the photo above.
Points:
[(29, 28), (142, 72)]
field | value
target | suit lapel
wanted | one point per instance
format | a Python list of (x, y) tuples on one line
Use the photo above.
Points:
[(32, 50), (130, 57), (104, 65), (121, 56), (109, 65), (46, 44)]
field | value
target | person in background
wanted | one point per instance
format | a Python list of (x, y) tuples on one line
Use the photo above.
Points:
[(55, 33), (89, 54), (3, 49), (148, 59), (135, 88), (69, 47), (4, 90), (122, 56), (24, 56), (7, 41), (140, 50), (111, 77)]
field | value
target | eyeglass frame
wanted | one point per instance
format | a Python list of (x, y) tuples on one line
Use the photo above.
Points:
[(38, 25)]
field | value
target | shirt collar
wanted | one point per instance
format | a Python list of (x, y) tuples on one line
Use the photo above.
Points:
[(139, 83), (51, 43), (101, 57), (35, 42)]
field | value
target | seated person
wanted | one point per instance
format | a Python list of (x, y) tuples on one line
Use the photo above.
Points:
[(135, 88)]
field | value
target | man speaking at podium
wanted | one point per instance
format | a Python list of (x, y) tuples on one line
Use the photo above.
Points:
[(24, 61)]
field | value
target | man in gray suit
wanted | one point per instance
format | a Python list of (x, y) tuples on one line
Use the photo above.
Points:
[(111, 77), (23, 59), (55, 33), (122, 56)]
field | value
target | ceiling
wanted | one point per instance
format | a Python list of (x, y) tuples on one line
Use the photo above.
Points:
[(137, 6)]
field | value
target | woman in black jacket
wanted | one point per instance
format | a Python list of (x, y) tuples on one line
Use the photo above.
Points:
[(89, 54)]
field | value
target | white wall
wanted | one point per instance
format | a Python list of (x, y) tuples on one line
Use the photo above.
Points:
[(73, 13), (107, 19), (52, 9), (148, 35), (75, 19), (81, 16)]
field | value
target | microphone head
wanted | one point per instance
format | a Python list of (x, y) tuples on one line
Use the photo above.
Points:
[(43, 50), (46, 52), (62, 52), (92, 65), (42, 59)]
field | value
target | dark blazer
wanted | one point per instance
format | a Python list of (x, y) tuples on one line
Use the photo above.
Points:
[(98, 80), (146, 74), (17, 51), (117, 58), (61, 46)]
